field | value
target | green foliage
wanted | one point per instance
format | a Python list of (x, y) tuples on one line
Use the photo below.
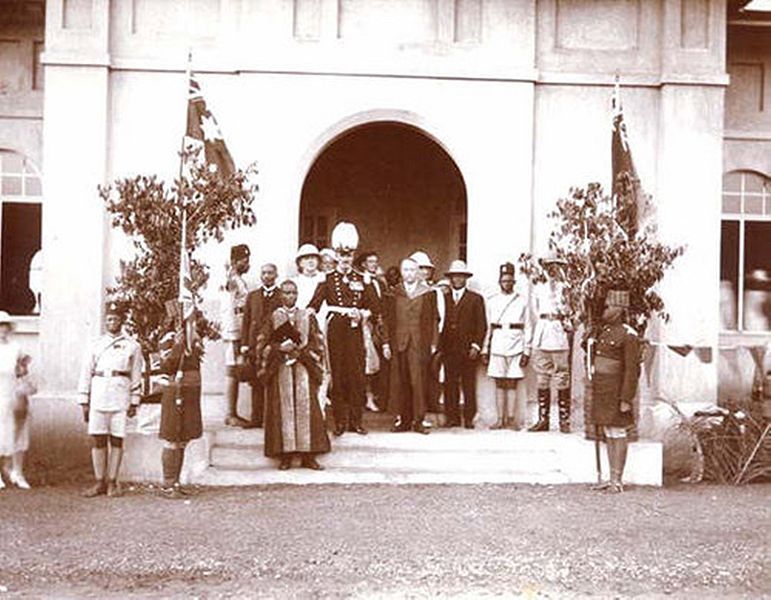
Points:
[(149, 212), (601, 256)]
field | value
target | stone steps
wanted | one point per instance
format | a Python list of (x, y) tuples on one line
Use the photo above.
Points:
[(233, 457)]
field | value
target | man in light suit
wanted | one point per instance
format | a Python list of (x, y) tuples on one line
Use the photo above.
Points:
[(410, 314), (463, 333)]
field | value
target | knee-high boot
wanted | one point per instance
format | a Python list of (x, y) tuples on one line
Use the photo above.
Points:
[(563, 402), (544, 405)]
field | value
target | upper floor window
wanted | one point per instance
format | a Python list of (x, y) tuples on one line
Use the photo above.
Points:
[(20, 235), (745, 252)]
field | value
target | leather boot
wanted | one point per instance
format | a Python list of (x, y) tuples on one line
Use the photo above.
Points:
[(617, 459), (563, 402), (544, 402)]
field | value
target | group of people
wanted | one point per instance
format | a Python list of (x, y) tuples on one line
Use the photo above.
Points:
[(343, 334)]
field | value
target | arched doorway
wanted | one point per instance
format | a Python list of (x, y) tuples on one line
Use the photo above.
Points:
[(400, 187)]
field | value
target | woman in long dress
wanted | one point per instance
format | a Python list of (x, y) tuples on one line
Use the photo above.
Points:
[(14, 424)]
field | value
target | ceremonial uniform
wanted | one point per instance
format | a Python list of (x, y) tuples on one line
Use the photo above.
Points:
[(232, 319), (551, 354), (344, 294), (615, 372), (110, 382), (614, 362), (181, 398), (509, 335)]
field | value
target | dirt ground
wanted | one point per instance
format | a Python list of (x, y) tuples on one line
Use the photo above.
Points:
[(388, 541)]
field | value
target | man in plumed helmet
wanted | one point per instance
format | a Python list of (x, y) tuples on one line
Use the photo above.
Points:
[(348, 299), (614, 353), (507, 344), (232, 321), (109, 393)]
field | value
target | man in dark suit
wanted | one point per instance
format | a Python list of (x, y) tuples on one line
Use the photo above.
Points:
[(463, 333), (411, 319), (260, 304)]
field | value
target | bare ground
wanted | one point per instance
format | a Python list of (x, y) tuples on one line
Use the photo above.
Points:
[(388, 541)]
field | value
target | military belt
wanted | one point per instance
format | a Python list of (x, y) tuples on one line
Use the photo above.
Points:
[(549, 316), (507, 325), (111, 373), (604, 365)]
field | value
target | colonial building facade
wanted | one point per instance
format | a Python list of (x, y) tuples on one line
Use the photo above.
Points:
[(446, 125)]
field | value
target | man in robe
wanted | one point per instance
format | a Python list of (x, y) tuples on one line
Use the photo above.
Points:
[(291, 348)]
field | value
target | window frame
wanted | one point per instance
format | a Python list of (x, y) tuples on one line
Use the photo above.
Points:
[(742, 218), (28, 170)]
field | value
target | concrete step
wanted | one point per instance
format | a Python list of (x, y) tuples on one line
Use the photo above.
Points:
[(226, 456)]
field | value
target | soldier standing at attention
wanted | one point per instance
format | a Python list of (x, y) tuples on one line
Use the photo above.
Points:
[(551, 348), (109, 389), (232, 323), (348, 299), (615, 368), (507, 344)]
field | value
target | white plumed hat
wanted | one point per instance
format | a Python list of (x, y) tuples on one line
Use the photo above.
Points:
[(345, 237)]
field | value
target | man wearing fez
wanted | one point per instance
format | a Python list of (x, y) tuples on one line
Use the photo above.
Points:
[(232, 321), (259, 305), (180, 361), (291, 348), (551, 348), (507, 344), (109, 393), (461, 340), (614, 353), (410, 315), (348, 299)]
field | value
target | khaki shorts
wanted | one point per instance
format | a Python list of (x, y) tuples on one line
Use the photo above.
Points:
[(505, 367), (107, 422), (552, 365)]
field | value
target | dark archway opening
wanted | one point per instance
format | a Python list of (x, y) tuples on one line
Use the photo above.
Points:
[(397, 185)]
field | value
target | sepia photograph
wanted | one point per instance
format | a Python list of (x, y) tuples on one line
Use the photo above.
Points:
[(385, 299)]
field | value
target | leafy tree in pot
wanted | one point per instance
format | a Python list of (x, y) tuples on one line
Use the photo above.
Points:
[(149, 211)]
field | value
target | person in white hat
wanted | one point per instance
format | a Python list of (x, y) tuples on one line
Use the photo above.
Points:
[(427, 271), (14, 427), (328, 260), (348, 298), (461, 340), (308, 276)]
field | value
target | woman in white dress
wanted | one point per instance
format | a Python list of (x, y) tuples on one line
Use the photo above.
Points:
[(14, 424)]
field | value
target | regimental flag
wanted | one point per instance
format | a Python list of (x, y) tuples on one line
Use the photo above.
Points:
[(186, 297), (626, 189), (202, 128)]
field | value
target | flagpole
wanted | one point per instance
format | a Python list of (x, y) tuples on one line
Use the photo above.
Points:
[(183, 202)]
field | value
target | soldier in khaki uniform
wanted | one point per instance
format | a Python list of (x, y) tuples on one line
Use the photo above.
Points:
[(507, 344), (232, 321), (109, 389), (614, 353)]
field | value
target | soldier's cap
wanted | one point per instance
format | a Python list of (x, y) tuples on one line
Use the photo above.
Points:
[(617, 298), (239, 251), (113, 307), (507, 268)]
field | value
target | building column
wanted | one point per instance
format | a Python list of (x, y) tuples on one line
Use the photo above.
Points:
[(75, 131)]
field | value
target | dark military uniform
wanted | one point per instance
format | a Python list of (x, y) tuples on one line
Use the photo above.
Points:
[(181, 398), (343, 293), (616, 370)]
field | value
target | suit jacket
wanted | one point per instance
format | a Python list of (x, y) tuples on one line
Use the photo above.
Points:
[(256, 311), (412, 320), (465, 323)]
